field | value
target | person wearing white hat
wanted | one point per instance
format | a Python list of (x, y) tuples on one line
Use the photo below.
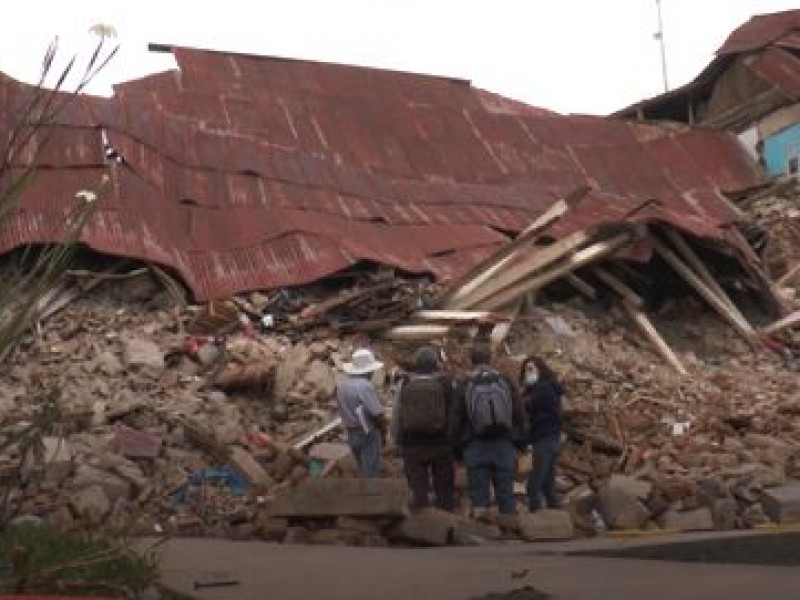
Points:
[(362, 412)]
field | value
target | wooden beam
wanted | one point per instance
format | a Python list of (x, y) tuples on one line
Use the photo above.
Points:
[(575, 261), (580, 285), (482, 272), (694, 280), (538, 258), (690, 256), (784, 323), (618, 286), (457, 316), (415, 332), (652, 335)]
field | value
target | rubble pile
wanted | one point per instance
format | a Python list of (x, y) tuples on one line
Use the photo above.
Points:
[(170, 426)]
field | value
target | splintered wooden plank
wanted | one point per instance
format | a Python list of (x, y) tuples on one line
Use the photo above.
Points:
[(651, 333), (707, 293), (580, 285), (574, 261), (785, 323), (530, 260), (318, 497), (618, 286), (481, 273), (690, 256)]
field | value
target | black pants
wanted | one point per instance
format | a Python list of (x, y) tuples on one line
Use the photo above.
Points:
[(429, 467)]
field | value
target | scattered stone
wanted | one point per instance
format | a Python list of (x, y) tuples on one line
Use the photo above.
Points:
[(621, 507), (91, 504), (142, 353), (137, 444), (782, 504), (435, 527), (247, 466), (344, 497), (699, 519), (546, 524)]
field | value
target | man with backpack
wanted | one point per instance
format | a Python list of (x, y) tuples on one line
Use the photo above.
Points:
[(420, 424), (488, 423)]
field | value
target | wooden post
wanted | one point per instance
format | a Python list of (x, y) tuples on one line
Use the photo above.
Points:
[(694, 261), (575, 261), (785, 323), (651, 333), (580, 285), (694, 280), (538, 258), (618, 286), (482, 272)]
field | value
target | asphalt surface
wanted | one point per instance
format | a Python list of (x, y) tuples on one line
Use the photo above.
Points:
[(285, 572)]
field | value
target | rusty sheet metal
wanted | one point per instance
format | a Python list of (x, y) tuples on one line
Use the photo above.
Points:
[(781, 69), (760, 31), (244, 172)]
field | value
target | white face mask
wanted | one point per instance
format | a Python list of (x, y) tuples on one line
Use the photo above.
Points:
[(531, 377)]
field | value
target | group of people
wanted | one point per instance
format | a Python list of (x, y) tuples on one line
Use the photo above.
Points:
[(483, 419)]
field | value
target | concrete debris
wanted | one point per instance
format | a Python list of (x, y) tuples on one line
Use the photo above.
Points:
[(215, 420)]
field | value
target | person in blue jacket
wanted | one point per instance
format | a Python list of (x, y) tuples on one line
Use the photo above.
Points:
[(541, 398)]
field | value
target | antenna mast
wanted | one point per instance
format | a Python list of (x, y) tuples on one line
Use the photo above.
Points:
[(659, 35)]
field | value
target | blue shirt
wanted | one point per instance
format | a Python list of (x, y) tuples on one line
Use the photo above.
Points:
[(354, 391)]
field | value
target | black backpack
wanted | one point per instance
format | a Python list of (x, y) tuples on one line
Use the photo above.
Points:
[(489, 404), (423, 405)]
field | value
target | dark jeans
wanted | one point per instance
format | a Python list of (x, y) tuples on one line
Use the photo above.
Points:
[(491, 463), (430, 467), (366, 448), (542, 480)]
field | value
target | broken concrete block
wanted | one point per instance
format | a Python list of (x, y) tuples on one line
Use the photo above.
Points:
[(633, 487), (327, 451), (292, 362), (322, 380), (436, 527), (57, 458), (317, 497), (91, 504), (622, 509), (782, 504), (699, 519), (112, 485), (270, 528), (136, 444), (546, 524), (724, 512), (248, 467), (142, 353)]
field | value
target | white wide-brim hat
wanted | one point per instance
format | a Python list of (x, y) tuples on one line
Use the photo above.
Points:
[(362, 362)]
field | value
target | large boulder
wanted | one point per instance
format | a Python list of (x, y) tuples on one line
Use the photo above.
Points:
[(782, 504), (621, 507)]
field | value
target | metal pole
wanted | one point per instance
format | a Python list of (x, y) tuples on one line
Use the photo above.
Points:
[(660, 37)]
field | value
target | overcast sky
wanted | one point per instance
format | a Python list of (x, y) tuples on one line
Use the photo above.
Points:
[(590, 56)]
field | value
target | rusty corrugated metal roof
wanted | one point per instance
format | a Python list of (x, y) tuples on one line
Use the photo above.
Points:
[(244, 172), (760, 31), (772, 37)]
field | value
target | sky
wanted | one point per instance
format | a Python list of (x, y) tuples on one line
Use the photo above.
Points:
[(570, 56)]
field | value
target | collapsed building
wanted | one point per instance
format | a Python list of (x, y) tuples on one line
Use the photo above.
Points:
[(251, 178)]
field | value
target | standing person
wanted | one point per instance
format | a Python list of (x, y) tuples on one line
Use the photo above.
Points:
[(541, 397), (362, 412), (487, 421), (420, 418)]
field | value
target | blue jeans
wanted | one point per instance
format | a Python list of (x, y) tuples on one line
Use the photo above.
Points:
[(366, 448), (491, 463), (542, 480)]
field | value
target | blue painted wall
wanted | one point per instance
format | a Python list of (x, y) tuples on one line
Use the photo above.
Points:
[(781, 148)]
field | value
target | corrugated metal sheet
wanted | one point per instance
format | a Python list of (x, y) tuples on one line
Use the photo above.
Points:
[(760, 31), (245, 172), (781, 69)]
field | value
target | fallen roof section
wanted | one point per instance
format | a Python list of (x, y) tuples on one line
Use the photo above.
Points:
[(243, 172)]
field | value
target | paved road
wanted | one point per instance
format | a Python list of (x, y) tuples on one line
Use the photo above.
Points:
[(280, 572)]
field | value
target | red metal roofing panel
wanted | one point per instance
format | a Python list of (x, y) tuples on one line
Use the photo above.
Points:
[(779, 68), (760, 31), (247, 173)]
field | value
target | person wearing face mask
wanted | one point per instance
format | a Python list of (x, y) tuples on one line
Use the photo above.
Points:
[(541, 397)]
